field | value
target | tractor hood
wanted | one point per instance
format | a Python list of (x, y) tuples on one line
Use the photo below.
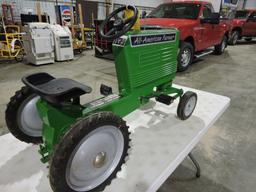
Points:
[(168, 22)]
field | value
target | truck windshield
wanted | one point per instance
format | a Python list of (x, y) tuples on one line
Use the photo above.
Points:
[(176, 10), (241, 14)]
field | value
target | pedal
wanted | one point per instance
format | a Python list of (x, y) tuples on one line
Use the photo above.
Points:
[(165, 99), (105, 90)]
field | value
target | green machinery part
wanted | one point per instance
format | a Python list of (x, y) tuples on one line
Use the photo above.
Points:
[(145, 64)]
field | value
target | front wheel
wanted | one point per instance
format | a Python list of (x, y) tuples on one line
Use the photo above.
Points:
[(22, 117), (185, 57), (187, 105), (219, 49), (89, 156)]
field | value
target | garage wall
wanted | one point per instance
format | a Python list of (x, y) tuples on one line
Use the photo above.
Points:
[(250, 4), (145, 3), (25, 6)]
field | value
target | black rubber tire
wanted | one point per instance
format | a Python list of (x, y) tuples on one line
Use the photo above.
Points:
[(248, 39), (20, 57), (182, 104), (183, 46), (20, 51), (72, 138), (234, 37), (11, 116), (218, 48)]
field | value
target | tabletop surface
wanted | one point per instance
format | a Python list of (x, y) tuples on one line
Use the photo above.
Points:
[(160, 142)]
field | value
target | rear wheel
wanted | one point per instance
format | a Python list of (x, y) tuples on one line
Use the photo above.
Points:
[(234, 37), (89, 156), (22, 117), (185, 57), (219, 49)]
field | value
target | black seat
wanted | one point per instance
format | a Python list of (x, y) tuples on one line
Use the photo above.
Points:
[(55, 91)]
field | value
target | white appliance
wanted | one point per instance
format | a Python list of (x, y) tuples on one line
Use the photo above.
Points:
[(39, 43), (63, 43)]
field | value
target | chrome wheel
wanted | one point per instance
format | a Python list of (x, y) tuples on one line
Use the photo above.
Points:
[(29, 120), (95, 158), (186, 56)]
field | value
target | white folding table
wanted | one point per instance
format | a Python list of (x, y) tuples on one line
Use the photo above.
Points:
[(160, 142)]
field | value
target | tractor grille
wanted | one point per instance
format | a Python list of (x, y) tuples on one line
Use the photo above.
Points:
[(154, 64)]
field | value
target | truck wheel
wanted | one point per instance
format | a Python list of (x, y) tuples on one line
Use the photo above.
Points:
[(234, 38), (185, 57), (22, 117), (187, 105), (89, 156), (219, 49), (248, 39)]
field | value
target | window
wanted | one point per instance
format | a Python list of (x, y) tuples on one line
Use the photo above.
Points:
[(176, 10), (241, 14), (207, 12)]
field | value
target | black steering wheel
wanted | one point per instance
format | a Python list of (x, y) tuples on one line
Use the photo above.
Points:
[(120, 26)]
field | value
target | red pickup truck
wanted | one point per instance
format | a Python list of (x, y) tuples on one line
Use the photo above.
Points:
[(243, 25), (200, 28)]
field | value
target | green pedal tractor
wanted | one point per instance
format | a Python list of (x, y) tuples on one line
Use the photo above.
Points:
[(86, 145)]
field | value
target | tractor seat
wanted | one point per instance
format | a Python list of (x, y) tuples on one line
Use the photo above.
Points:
[(55, 91)]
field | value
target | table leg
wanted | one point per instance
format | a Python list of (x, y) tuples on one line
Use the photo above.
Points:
[(196, 164)]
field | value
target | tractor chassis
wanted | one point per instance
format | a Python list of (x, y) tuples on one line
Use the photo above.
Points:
[(57, 120)]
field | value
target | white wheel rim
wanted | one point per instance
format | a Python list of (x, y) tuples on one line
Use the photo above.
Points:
[(190, 106), (95, 158), (29, 120), (185, 57)]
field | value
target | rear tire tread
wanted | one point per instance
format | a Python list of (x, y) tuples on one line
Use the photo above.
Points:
[(12, 112), (65, 147)]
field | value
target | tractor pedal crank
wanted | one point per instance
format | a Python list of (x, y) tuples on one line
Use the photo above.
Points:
[(165, 99)]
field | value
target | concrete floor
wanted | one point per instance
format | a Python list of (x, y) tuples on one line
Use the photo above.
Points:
[(227, 153)]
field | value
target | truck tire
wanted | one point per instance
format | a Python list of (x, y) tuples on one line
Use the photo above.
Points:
[(248, 39), (90, 154), (22, 118), (219, 49), (234, 37), (185, 56)]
